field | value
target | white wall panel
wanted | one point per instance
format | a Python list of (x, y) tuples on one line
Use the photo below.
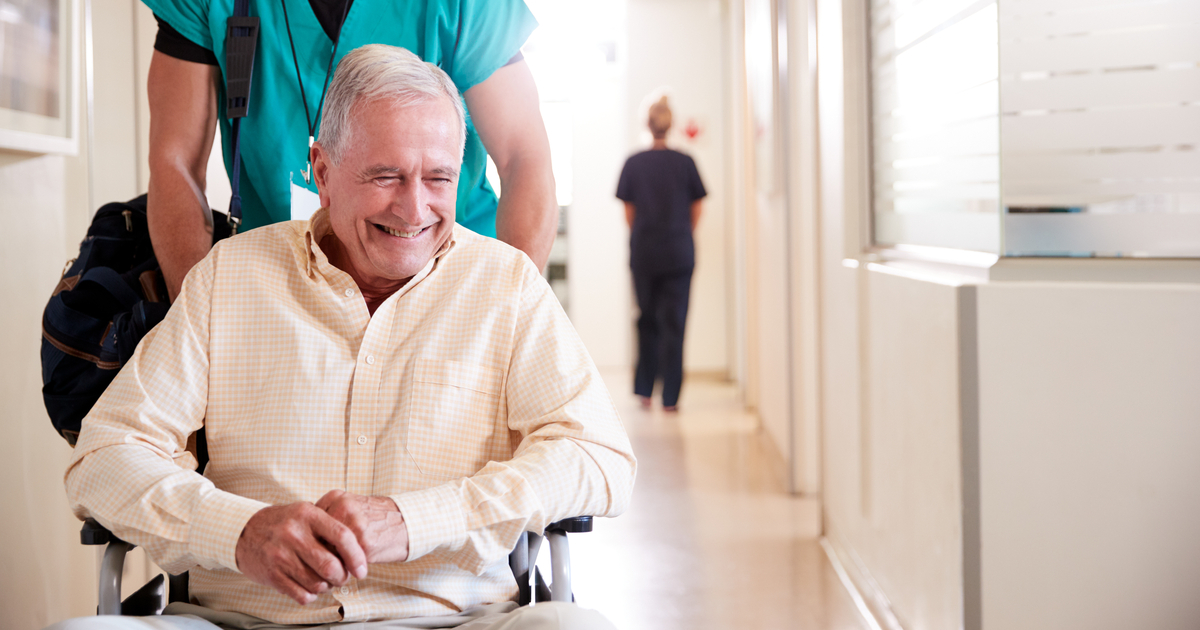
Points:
[(1103, 50), (598, 252), (47, 576), (1102, 90), (918, 190), (894, 481), (1088, 408), (935, 121), (1060, 233), (1101, 109), (972, 103), (1100, 102), (957, 170), (973, 138), (1142, 127), (1093, 192), (889, 369), (1071, 17), (915, 20), (954, 228), (1089, 474), (1079, 166), (677, 45)]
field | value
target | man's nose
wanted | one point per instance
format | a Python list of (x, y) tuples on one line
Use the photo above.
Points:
[(409, 204)]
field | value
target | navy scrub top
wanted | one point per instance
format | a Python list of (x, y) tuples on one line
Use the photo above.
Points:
[(661, 184)]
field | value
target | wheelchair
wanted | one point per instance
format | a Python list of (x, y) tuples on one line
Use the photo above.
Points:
[(153, 597)]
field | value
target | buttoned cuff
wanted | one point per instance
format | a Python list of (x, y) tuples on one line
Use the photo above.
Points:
[(219, 521), (434, 517)]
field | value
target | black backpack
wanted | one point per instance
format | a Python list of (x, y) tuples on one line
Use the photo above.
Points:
[(113, 293), (109, 297)]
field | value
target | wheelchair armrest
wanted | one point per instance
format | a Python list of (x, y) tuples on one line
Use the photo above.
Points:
[(93, 533), (573, 525), (523, 559), (148, 600)]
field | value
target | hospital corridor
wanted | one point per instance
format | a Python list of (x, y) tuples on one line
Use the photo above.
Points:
[(595, 314), (713, 540)]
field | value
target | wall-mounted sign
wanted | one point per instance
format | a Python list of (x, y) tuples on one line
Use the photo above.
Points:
[(39, 70)]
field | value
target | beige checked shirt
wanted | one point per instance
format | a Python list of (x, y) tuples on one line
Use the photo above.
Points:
[(467, 398)]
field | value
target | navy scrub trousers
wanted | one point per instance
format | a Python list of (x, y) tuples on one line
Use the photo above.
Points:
[(663, 301)]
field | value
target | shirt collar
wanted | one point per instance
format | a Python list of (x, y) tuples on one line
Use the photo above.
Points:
[(316, 260)]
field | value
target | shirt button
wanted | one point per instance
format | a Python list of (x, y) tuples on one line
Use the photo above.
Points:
[(370, 359), (349, 292), (362, 439), (345, 590)]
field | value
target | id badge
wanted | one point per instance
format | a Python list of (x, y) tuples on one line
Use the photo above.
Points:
[(304, 203)]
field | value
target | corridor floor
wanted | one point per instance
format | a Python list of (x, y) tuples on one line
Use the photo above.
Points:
[(711, 539)]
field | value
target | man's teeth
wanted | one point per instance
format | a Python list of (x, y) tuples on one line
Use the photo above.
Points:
[(399, 233)]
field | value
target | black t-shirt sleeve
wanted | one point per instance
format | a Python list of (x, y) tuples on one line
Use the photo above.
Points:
[(172, 43), (625, 184), (695, 186)]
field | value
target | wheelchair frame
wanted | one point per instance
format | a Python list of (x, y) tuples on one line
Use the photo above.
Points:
[(152, 597)]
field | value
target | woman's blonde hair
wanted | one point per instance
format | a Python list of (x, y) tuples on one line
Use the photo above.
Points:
[(660, 118)]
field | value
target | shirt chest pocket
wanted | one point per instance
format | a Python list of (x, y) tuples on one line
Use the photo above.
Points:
[(454, 421)]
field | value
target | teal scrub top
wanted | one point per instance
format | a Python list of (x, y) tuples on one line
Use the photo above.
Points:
[(468, 39)]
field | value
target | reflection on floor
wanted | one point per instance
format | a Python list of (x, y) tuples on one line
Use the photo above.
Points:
[(711, 540)]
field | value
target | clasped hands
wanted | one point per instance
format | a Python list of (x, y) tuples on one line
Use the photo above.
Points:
[(304, 549)]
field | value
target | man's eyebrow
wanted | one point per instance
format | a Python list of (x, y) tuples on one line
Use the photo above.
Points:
[(379, 169), (383, 169)]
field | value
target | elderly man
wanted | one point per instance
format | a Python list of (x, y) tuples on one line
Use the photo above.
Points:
[(390, 399)]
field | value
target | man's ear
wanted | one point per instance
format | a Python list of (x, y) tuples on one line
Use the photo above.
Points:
[(321, 164)]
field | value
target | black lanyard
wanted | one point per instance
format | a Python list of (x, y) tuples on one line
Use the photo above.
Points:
[(241, 39), (308, 119)]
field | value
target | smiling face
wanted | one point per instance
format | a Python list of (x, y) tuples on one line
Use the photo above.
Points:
[(391, 199)]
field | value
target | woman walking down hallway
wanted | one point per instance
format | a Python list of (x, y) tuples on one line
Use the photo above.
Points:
[(662, 192)]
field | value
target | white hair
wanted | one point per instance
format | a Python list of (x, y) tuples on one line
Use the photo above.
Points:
[(379, 72)]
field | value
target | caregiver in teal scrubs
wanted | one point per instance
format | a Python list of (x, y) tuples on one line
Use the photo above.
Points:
[(477, 42)]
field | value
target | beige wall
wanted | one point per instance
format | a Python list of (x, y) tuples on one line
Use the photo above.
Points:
[(775, 222), (1000, 453), (1089, 427), (893, 483), (677, 45), (597, 240), (890, 379), (47, 574)]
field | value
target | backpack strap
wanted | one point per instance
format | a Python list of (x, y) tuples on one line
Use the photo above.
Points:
[(112, 282), (241, 39)]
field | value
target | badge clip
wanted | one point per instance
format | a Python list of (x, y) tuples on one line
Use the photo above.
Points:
[(307, 172)]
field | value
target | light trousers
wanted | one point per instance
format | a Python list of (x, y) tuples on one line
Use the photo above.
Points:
[(501, 616)]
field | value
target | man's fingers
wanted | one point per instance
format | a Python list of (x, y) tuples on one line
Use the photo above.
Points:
[(307, 577), (284, 583), (327, 500), (323, 563), (348, 548), (299, 550)]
